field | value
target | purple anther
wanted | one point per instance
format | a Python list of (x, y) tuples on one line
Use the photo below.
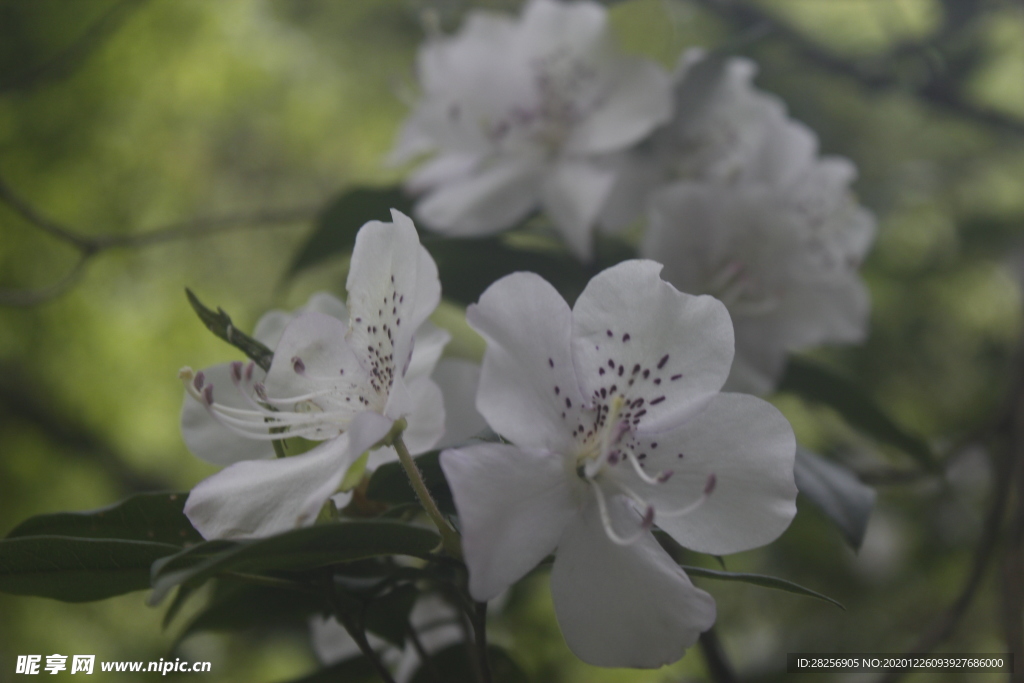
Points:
[(199, 380), (665, 476), (236, 371), (249, 370), (613, 458), (299, 367), (648, 520), (208, 394), (261, 391), (710, 485)]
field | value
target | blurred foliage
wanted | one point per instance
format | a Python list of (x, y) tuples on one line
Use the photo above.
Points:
[(122, 116)]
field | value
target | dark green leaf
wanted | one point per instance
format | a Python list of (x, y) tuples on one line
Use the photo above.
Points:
[(390, 484), (237, 606), (301, 549), (452, 665), (837, 492), (760, 580), (815, 383), (156, 517), (336, 227), (469, 266), (220, 324), (77, 569), (388, 615)]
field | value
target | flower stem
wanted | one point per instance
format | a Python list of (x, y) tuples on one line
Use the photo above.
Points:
[(449, 537)]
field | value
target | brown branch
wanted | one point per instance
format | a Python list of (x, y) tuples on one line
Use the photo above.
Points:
[(74, 55), (90, 246), (748, 17)]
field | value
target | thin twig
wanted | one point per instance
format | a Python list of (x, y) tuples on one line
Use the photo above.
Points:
[(426, 661), (479, 620), (89, 247), (747, 17)]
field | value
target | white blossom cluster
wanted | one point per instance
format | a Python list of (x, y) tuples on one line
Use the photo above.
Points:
[(543, 113), (612, 418)]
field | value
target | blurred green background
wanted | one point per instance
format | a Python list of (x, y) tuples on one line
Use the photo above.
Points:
[(122, 116)]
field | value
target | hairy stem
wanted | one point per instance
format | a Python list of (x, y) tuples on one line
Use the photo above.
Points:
[(449, 537)]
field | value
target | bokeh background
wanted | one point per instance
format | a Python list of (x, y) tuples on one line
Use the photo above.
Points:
[(118, 117)]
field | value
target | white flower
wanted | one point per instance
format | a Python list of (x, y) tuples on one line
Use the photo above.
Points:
[(338, 377), (722, 130), (519, 112), (617, 425), (784, 262)]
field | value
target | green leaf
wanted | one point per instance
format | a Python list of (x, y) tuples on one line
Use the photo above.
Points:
[(77, 569), (220, 324), (469, 266), (837, 492), (238, 606), (452, 665), (335, 229), (760, 580), (815, 383), (388, 615), (301, 549), (156, 517), (390, 484)]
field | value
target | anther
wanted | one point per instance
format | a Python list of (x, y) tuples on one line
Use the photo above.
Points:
[(199, 380), (298, 366), (208, 394)]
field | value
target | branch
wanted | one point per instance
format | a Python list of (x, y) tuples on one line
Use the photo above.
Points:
[(90, 246), (747, 17), (718, 666), (74, 55)]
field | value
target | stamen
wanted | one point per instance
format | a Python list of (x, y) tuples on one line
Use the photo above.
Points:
[(298, 366), (199, 381), (236, 372), (660, 478), (709, 488), (606, 521)]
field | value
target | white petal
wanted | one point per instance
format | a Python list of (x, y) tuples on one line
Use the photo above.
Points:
[(272, 324), (257, 498), (444, 168), (426, 351), (750, 449), (513, 505), (636, 176), (206, 438), (624, 606), (494, 198), (667, 353), (528, 387), (573, 193), (638, 98), (458, 380), (579, 29), (392, 287), (328, 364), (426, 418)]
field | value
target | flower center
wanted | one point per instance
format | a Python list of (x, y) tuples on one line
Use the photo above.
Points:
[(599, 457)]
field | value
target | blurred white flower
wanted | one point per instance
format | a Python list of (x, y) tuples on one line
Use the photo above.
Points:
[(519, 114), (722, 130), (616, 424), (338, 377), (784, 262)]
